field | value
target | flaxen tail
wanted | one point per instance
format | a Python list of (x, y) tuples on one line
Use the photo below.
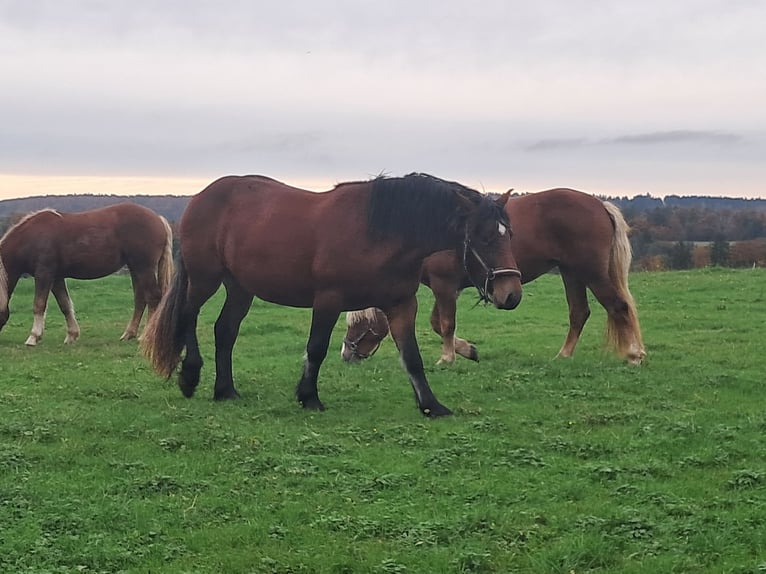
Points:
[(624, 335), (165, 267), (163, 338)]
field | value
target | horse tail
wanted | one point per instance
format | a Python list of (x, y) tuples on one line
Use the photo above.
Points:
[(163, 337), (623, 336), (165, 265)]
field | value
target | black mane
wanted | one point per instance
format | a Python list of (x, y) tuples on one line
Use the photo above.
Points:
[(418, 207)]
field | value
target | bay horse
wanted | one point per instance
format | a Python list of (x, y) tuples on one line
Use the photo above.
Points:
[(358, 245), (52, 246), (586, 238)]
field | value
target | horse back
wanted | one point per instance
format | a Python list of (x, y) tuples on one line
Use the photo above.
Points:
[(95, 243), (269, 235), (556, 227), (559, 227)]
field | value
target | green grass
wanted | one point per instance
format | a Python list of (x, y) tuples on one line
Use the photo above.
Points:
[(548, 466)]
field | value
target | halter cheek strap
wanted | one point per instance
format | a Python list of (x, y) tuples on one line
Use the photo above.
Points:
[(490, 273), (353, 345)]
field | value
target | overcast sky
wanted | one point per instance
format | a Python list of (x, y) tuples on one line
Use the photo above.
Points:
[(613, 97)]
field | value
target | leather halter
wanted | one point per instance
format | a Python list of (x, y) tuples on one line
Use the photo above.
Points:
[(490, 273), (353, 346)]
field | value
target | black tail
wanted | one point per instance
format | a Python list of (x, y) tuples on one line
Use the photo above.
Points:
[(163, 338)]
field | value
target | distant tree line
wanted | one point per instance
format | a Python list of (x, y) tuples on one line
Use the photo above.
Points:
[(671, 233), (673, 237)]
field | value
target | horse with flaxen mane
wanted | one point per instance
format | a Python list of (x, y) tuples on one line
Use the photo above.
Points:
[(586, 238), (358, 245), (52, 246)]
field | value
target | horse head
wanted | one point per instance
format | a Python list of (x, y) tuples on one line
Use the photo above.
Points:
[(487, 255), (366, 329)]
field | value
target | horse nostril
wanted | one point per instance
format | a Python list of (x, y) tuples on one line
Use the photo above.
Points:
[(512, 301)]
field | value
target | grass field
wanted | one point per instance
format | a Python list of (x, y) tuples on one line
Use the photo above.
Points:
[(548, 466)]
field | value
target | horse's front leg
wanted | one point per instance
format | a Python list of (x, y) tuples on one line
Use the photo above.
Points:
[(323, 320), (401, 320), (42, 290), (61, 293)]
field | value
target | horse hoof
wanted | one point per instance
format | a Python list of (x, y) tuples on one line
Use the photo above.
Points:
[(437, 410), (230, 395), (473, 354), (31, 341), (186, 389), (313, 404)]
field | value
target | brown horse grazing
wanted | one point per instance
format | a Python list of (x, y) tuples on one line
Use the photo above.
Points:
[(52, 246), (587, 239), (361, 244)]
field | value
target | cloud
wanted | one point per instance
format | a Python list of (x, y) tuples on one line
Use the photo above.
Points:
[(340, 88), (677, 137), (556, 144), (658, 138)]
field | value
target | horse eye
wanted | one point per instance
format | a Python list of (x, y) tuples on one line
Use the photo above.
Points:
[(501, 229)]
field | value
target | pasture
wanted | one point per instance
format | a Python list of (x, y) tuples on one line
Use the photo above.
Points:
[(547, 466)]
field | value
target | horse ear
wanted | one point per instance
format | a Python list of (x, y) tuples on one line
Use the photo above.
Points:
[(503, 199)]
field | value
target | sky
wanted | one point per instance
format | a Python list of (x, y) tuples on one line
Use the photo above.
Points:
[(616, 98)]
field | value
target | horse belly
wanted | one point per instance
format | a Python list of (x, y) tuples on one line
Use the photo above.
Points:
[(276, 281), (87, 265)]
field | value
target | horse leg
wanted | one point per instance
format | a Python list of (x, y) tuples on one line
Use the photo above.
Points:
[(139, 304), (443, 321), (191, 366), (622, 323), (61, 293), (448, 342), (579, 311), (42, 290), (236, 306), (323, 320), (401, 321)]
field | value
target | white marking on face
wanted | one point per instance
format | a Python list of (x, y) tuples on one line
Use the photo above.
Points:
[(501, 229)]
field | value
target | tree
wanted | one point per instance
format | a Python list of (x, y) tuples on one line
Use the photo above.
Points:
[(681, 256), (719, 252)]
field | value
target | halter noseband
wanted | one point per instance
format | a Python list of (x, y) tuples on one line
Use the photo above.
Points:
[(354, 345), (490, 273)]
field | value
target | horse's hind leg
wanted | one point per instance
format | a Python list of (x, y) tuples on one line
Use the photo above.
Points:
[(623, 333), (323, 320), (61, 293), (234, 309), (579, 311), (145, 290), (401, 321)]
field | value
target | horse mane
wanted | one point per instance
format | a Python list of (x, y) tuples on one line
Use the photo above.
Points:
[(24, 219), (369, 315), (417, 206), (3, 272)]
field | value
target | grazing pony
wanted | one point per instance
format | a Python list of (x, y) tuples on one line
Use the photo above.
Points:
[(52, 246), (358, 245), (586, 238)]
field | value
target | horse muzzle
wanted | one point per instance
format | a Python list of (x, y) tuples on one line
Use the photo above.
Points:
[(504, 288), (511, 301)]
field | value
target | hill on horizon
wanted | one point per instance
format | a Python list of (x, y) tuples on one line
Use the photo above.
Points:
[(172, 206)]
